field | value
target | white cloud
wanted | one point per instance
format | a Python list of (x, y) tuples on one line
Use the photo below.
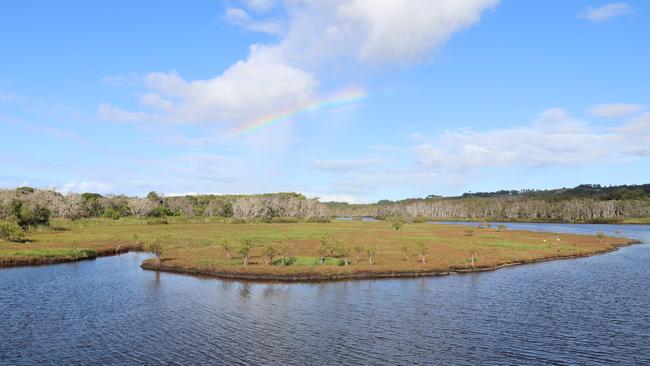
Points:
[(85, 186), (316, 34), (249, 89), (554, 138), (260, 5), (614, 110), (240, 17), (607, 11), (374, 31)]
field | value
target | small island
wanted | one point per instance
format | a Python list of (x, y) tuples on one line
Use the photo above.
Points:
[(302, 251)]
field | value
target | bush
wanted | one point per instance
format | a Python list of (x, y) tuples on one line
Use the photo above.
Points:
[(318, 220), (111, 213), (11, 231), (157, 221)]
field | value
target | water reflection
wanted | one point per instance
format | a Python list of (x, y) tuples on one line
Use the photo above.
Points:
[(587, 311)]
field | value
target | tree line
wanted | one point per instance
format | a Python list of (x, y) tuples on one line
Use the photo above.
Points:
[(25, 207)]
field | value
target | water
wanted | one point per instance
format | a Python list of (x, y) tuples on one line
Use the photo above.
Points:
[(592, 311)]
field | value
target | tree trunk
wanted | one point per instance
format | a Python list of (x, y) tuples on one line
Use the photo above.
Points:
[(370, 260)]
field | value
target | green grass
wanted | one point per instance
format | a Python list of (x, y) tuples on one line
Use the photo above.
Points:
[(52, 253)]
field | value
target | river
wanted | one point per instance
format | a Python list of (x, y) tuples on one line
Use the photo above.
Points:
[(108, 311)]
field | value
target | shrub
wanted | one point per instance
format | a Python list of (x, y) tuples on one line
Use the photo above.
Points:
[(111, 213), (269, 252), (155, 247), (244, 250), (501, 227), (398, 225), (157, 221), (11, 231), (318, 220), (160, 211)]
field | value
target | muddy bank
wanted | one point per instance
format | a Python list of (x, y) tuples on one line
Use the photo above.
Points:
[(359, 274), (17, 261)]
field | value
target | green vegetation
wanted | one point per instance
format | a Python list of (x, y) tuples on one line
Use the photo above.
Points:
[(301, 250), (67, 253), (11, 231)]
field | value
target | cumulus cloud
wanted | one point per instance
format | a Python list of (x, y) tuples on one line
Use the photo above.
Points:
[(314, 34), (605, 12), (554, 138), (258, 86), (614, 110)]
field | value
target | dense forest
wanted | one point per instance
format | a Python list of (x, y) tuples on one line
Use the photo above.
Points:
[(26, 206)]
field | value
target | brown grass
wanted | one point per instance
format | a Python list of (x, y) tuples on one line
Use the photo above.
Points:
[(194, 247)]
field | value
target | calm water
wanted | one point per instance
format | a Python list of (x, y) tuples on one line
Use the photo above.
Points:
[(585, 311)]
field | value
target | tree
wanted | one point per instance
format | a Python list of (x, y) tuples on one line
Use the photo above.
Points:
[(226, 248), (155, 247), (406, 249), (343, 251), (397, 225), (501, 227), (285, 253), (371, 250), (474, 257), (244, 250), (269, 252), (422, 249), (153, 196), (324, 249), (357, 249)]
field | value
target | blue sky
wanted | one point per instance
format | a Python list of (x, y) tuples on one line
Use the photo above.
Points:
[(449, 96)]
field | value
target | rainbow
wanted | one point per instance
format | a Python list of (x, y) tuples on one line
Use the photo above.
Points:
[(344, 97)]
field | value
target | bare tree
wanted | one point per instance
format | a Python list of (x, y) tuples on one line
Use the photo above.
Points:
[(406, 249), (422, 249), (227, 247), (474, 257)]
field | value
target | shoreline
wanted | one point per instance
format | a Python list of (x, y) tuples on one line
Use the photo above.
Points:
[(8, 262), (359, 275)]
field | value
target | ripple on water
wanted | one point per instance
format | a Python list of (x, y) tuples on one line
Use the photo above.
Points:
[(585, 311)]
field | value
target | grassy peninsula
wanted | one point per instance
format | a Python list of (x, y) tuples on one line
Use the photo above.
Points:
[(299, 251)]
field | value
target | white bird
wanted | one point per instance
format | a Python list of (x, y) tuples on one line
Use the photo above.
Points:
[(558, 239)]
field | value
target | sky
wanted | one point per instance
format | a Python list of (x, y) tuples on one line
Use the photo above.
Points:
[(345, 100)]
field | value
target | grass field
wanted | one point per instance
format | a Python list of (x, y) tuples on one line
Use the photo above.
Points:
[(193, 246)]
